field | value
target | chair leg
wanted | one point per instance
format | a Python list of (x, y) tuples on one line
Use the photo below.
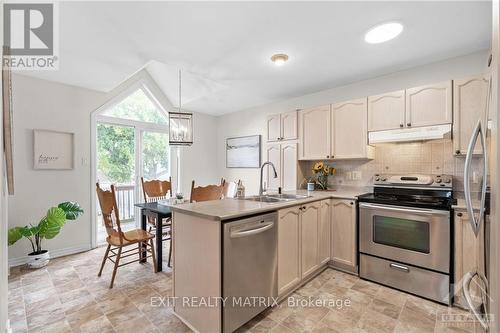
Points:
[(117, 261), (104, 260), (170, 251), (153, 255)]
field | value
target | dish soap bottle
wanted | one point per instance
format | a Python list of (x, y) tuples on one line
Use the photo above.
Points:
[(240, 190)]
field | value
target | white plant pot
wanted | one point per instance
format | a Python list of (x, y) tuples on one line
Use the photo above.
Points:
[(38, 260)]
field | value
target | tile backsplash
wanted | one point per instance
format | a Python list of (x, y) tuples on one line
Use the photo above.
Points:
[(434, 157)]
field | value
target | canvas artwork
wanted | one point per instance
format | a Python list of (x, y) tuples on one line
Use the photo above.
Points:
[(53, 150), (243, 152)]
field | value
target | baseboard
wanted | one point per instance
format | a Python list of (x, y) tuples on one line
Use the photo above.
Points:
[(53, 254)]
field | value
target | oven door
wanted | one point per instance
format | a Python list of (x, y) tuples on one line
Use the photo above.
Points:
[(416, 236)]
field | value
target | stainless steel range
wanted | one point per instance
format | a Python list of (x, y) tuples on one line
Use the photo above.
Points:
[(405, 234)]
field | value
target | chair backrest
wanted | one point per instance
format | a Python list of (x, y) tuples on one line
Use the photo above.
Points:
[(206, 193), (109, 210), (155, 190)]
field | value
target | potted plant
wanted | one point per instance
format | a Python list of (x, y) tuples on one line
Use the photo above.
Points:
[(49, 226), (322, 171)]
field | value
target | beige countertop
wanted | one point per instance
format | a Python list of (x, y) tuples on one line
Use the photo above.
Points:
[(234, 208)]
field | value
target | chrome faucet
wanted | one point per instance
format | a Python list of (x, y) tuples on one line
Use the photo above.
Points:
[(261, 189)]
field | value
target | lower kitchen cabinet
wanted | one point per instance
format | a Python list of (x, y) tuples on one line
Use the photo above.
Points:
[(344, 243), (324, 231), (302, 246), (468, 255), (288, 249), (309, 233)]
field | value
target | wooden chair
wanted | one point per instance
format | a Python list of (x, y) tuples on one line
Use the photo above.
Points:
[(118, 240), (155, 190), (206, 193)]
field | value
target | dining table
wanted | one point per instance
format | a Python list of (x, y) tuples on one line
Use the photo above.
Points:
[(158, 212)]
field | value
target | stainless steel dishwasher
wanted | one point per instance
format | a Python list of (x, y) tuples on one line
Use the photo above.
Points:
[(249, 268)]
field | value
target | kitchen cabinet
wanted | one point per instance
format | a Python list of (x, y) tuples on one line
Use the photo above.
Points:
[(386, 111), (282, 127), (309, 221), (469, 105), (344, 235), (429, 105), (273, 128), (273, 155), (284, 158), (324, 232), (468, 254), (314, 133), (349, 130), (289, 239)]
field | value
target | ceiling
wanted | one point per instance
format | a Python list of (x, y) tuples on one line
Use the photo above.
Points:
[(224, 48)]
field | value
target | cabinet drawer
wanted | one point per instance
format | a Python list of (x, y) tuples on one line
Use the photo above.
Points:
[(432, 285)]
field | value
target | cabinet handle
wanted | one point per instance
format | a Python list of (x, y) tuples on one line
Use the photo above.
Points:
[(327, 156), (401, 125), (408, 124), (458, 152), (352, 203), (460, 214)]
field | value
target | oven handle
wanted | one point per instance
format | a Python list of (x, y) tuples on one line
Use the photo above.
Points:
[(421, 211)]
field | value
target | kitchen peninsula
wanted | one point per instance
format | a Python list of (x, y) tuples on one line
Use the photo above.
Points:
[(247, 248)]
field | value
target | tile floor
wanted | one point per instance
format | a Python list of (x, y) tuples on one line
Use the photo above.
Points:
[(67, 296)]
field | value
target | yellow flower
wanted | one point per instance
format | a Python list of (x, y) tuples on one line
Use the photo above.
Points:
[(333, 171), (318, 166), (326, 169)]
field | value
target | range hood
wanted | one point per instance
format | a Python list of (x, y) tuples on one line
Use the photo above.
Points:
[(411, 134)]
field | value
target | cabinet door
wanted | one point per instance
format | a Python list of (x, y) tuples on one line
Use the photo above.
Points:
[(469, 105), (349, 135), (429, 105), (289, 126), (468, 254), (273, 128), (386, 111), (288, 249), (344, 244), (289, 166), (324, 232), (309, 239), (273, 155), (315, 130)]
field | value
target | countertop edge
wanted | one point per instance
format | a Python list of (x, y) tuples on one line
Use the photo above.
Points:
[(263, 210)]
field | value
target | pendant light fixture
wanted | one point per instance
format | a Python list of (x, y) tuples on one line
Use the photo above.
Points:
[(180, 125)]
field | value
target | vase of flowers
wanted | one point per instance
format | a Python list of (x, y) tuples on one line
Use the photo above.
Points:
[(322, 171)]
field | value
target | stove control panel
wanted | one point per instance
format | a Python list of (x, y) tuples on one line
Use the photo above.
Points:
[(414, 180)]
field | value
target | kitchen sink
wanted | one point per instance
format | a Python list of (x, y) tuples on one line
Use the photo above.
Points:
[(275, 197)]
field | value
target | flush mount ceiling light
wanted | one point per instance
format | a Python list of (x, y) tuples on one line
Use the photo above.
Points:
[(383, 32), (279, 59)]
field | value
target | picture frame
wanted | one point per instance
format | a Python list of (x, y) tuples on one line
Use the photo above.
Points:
[(53, 150), (7, 120), (243, 152)]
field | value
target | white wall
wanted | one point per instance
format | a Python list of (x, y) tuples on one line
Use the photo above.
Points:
[(252, 121), (48, 105)]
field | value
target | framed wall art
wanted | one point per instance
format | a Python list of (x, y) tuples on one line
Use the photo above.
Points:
[(53, 150), (243, 152)]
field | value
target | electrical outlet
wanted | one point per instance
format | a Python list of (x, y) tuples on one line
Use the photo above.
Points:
[(475, 177), (348, 175), (356, 175)]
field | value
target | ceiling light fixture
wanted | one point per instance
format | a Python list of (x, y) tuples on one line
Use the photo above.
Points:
[(383, 32), (279, 59)]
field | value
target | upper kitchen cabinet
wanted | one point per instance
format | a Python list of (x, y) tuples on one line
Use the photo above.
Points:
[(469, 105), (315, 131), (284, 158), (386, 111), (273, 128), (349, 135), (282, 127), (429, 105)]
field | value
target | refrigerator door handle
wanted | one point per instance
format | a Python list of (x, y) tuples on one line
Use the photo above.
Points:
[(483, 319), (479, 132)]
